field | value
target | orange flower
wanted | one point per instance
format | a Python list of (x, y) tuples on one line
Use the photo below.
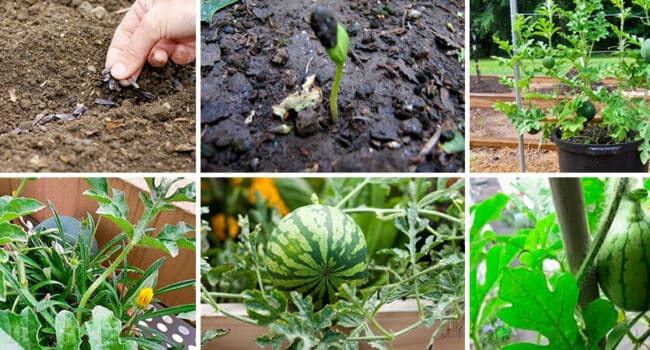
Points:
[(236, 181), (206, 192), (267, 190), (219, 226)]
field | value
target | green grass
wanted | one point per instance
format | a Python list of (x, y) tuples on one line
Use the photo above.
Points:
[(490, 66)]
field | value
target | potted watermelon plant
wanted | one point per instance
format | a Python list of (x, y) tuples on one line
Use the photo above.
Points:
[(560, 43), (78, 280), (314, 278)]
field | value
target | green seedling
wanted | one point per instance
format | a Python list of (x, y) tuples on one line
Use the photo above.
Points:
[(335, 39)]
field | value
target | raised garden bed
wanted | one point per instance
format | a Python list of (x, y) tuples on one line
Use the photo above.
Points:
[(394, 316)]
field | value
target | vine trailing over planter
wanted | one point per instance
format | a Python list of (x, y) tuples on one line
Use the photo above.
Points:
[(555, 40), (345, 311), (58, 292)]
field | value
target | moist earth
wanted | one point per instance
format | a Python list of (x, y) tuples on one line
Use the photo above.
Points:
[(401, 98), (51, 58)]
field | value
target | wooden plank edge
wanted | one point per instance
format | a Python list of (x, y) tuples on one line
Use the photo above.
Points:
[(506, 142)]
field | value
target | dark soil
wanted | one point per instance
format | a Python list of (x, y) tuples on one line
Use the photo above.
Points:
[(405, 87), (488, 84), (597, 134), (51, 57)]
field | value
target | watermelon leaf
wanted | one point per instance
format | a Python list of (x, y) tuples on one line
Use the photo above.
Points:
[(115, 209), (265, 310), (19, 331), (535, 307), (12, 208), (306, 329), (67, 331), (11, 233), (210, 7), (170, 239), (213, 334), (600, 317), (322, 319), (104, 331)]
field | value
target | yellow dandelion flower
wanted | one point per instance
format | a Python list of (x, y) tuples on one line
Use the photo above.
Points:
[(267, 190), (144, 297)]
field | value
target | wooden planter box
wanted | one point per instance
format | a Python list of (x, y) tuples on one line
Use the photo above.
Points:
[(394, 316), (66, 194)]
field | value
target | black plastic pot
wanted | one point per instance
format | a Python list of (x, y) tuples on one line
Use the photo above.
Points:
[(576, 157)]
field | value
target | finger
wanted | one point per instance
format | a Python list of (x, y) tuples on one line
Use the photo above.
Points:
[(136, 51), (183, 54), (158, 57), (125, 30), (135, 76)]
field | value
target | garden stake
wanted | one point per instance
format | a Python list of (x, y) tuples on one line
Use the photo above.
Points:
[(335, 39)]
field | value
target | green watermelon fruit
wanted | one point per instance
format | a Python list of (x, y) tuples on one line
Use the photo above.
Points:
[(548, 62), (645, 50), (587, 109), (315, 249), (623, 262)]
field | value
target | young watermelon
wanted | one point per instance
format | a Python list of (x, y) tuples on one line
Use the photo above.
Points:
[(314, 249), (623, 262)]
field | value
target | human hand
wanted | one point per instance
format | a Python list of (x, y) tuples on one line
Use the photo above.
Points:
[(153, 31)]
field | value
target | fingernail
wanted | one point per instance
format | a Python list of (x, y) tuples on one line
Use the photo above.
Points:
[(119, 70)]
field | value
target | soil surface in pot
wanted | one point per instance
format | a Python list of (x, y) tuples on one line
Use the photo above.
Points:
[(594, 134), (51, 58), (401, 94)]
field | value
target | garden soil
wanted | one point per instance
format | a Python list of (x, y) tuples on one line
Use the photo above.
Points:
[(401, 97), (51, 57), (493, 124)]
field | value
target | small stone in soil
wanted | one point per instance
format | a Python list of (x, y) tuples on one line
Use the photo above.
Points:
[(383, 132), (241, 145), (411, 127), (290, 79), (280, 57), (364, 91), (306, 122), (207, 150)]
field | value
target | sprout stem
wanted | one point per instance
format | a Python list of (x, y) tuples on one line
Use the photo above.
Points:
[(335, 92)]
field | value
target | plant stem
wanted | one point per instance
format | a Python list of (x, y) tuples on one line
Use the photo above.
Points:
[(101, 279), (401, 212), (354, 191), (225, 295), (215, 306), (610, 212), (334, 109), (21, 187), (138, 231), (410, 278)]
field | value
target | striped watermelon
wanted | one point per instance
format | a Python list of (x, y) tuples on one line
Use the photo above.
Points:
[(314, 249), (623, 262)]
